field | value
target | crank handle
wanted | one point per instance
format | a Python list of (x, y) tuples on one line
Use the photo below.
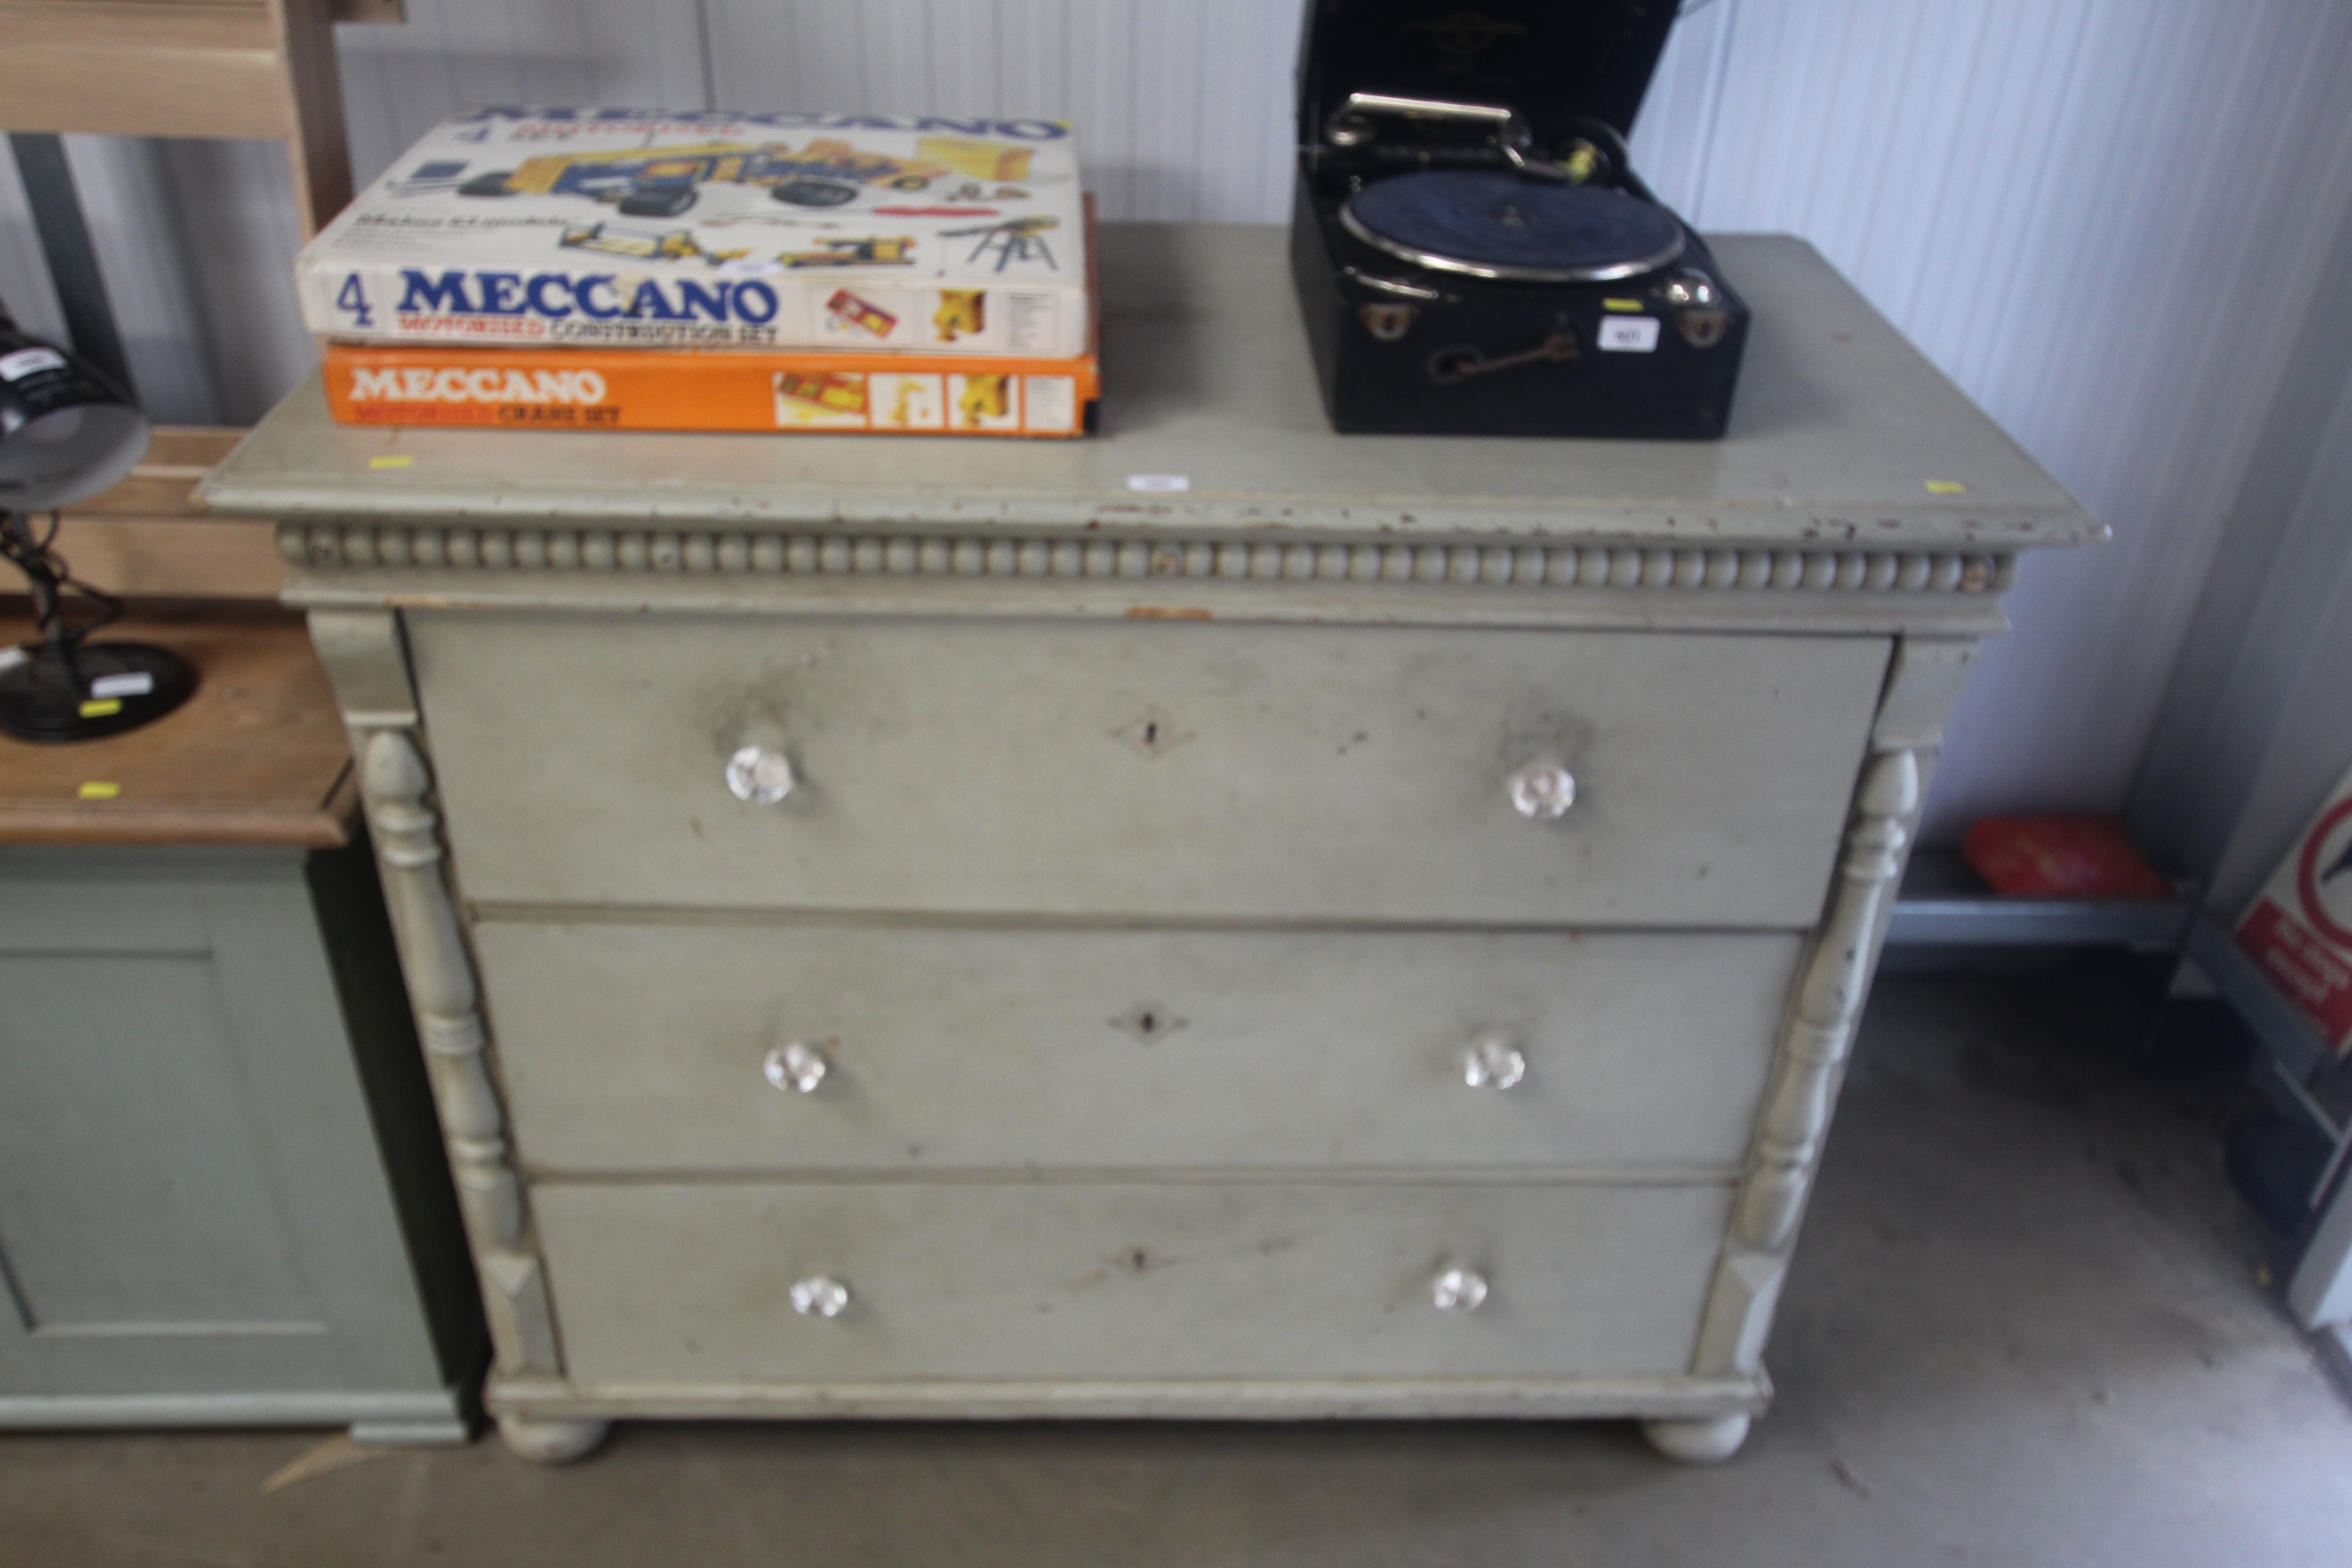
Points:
[(1451, 367)]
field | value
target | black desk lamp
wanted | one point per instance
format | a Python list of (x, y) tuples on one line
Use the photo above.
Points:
[(66, 431)]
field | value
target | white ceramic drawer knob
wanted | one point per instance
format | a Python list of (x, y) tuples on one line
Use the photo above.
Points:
[(761, 774), (1493, 1062), (797, 1066), (1543, 789), (820, 1295), (1458, 1291)]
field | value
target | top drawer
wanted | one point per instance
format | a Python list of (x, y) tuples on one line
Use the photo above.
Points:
[(1151, 769)]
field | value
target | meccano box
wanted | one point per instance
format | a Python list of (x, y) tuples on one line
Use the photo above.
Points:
[(633, 389), (632, 229)]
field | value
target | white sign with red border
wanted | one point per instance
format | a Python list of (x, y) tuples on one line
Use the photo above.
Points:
[(2299, 927)]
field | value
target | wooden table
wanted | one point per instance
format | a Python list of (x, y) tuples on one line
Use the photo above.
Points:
[(256, 757)]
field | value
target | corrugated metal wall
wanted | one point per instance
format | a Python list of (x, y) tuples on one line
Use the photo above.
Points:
[(195, 240), (2108, 222), (2257, 721), (1183, 104), (2105, 220)]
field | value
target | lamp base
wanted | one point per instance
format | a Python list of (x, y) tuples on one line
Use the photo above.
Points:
[(101, 689)]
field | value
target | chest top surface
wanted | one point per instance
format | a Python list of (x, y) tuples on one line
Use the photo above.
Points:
[(1841, 429)]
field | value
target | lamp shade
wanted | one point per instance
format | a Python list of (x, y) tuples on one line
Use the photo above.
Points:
[(67, 430)]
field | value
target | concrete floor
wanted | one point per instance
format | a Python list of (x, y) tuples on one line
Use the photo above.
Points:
[(2026, 1326)]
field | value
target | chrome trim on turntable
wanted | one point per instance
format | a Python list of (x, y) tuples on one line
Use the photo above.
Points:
[(1390, 285), (1437, 263)]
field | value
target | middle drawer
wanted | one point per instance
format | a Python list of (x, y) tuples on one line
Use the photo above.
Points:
[(643, 1048)]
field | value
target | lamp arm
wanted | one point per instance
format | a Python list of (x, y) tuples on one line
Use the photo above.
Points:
[(47, 575)]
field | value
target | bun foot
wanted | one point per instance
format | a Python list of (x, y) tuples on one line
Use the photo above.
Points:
[(550, 1442), (1701, 1442)]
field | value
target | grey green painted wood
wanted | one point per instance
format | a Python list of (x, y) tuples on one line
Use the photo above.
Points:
[(1839, 426), (1157, 770), (668, 1285), (196, 1222), (1073, 1047), (1071, 756)]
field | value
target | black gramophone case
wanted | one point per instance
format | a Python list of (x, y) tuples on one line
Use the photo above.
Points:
[(1474, 255)]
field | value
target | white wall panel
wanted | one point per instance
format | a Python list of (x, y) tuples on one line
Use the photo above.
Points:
[(2105, 221), (234, 230), (1183, 106), (2103, 218), (25, 287), (2296, 719), (128, 203), (196, 242), (398, 82), (2257, 719), (1098, 86)]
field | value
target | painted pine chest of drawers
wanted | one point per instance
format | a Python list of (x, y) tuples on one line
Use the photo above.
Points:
[(940, 929)]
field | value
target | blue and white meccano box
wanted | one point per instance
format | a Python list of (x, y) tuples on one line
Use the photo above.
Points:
[(626, 228)]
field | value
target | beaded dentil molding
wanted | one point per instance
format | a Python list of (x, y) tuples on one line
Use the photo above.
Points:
[(361, 546)]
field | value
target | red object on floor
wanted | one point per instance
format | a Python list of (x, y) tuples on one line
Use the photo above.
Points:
[(2060, 857)]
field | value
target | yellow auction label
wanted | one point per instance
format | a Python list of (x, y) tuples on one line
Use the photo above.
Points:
[(101, 707), (400, 462), (1621, 304), (1946, 487), (97, 789)]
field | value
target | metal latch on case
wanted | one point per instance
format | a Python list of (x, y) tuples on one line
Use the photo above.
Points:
[(1699, 315)]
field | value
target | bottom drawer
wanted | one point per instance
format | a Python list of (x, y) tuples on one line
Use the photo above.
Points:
[(691, 1285)]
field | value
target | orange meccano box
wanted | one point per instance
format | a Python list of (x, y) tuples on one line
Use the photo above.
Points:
[(643, 389)]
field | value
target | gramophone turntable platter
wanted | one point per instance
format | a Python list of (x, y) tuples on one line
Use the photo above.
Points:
[(1499, 223)]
